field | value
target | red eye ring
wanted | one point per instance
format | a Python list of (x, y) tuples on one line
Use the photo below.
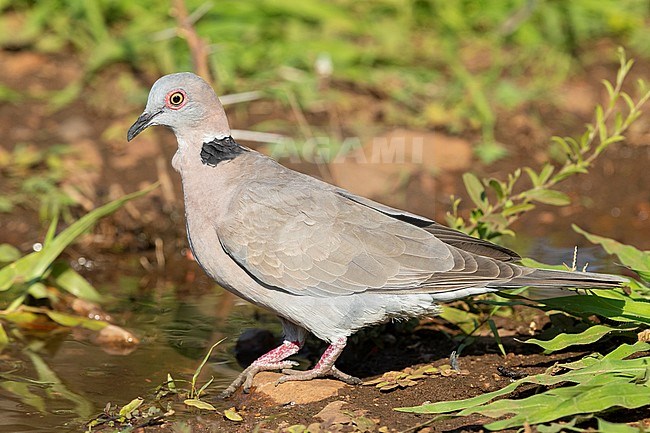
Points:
[(176, 99)]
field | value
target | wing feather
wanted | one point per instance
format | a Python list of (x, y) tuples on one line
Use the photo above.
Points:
[(305, 237)]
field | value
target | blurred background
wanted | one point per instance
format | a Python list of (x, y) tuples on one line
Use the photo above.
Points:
[(481, 86)]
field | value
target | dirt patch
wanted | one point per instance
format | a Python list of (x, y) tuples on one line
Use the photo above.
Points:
[(378, 407)]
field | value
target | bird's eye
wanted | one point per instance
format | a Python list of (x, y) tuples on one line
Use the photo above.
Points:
[(176, 99)]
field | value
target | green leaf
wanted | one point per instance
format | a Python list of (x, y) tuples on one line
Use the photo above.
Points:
[(625, 350), (19, 317), (498, 187), (562, 142), (71, 321), (595, 388), (170, 382), (465, 320), (51, 230), (298, 428), (38, 291), (546, 173), (127, 410), (205, 360), (8, 253), (556, 404), (548, 196), (534, 178), (199, 404), (475, 190), (32, 266), (4, 339), (590, 335), (497, 337), (609, 304), (609, 87), (558, 427), (638, 261), (518, 208), (8, 276), (610, 427), (52, 250), (72, 282), (568, 171), (605, 367), (232, 415), (204, 387)]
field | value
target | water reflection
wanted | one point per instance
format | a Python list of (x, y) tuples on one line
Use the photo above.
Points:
[(59, 382)]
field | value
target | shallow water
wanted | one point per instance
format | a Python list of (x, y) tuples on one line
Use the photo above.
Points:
[(61, 380)]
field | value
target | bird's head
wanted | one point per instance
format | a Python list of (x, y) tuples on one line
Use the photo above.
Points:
[(185, 103)]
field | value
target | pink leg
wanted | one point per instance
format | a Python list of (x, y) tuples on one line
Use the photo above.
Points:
[(273, 360), (324, 367)]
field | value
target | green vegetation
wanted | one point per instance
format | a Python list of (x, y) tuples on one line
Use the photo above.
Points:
[(33, 294), (442, 64), (599, 383), (592, 386), (495, 212), (39, 276), (29, 173), (137, 413)]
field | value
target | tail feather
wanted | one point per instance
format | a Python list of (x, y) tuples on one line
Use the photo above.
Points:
[(551, 279)]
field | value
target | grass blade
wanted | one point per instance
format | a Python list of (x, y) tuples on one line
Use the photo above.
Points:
[(632, 367), (497, 337), (4, 339), (52, 250), (72, 282), (199, 404), (590, 335), (638, 261), (610, 304), (205, 360)]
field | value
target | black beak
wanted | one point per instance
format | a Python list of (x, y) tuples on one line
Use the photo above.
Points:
[(143, 122)]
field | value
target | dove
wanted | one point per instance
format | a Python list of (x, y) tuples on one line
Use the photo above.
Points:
[(324, 260)]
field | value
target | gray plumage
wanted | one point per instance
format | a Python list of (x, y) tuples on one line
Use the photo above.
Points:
[(323, 259)]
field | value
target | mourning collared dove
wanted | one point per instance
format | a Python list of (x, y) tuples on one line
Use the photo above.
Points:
[(323, 259)]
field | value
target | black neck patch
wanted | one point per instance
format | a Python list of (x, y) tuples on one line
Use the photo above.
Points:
[(219, 150)]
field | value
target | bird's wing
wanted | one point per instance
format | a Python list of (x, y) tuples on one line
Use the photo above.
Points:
[(447, 235), (299, 235)]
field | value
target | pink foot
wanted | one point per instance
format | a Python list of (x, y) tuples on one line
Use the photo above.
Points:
[(324, 367), (273, 360)]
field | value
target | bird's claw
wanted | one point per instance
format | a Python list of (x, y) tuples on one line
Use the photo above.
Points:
[(290, 375), (246, 377)]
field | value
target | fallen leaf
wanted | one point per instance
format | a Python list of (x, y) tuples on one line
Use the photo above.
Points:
[(389, 387), (332, 413), (364, 424), (129, 408), (232, 415), (199, 404)]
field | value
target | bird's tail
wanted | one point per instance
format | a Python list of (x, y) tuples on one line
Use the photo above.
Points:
[(547, 283), (551, 279)]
